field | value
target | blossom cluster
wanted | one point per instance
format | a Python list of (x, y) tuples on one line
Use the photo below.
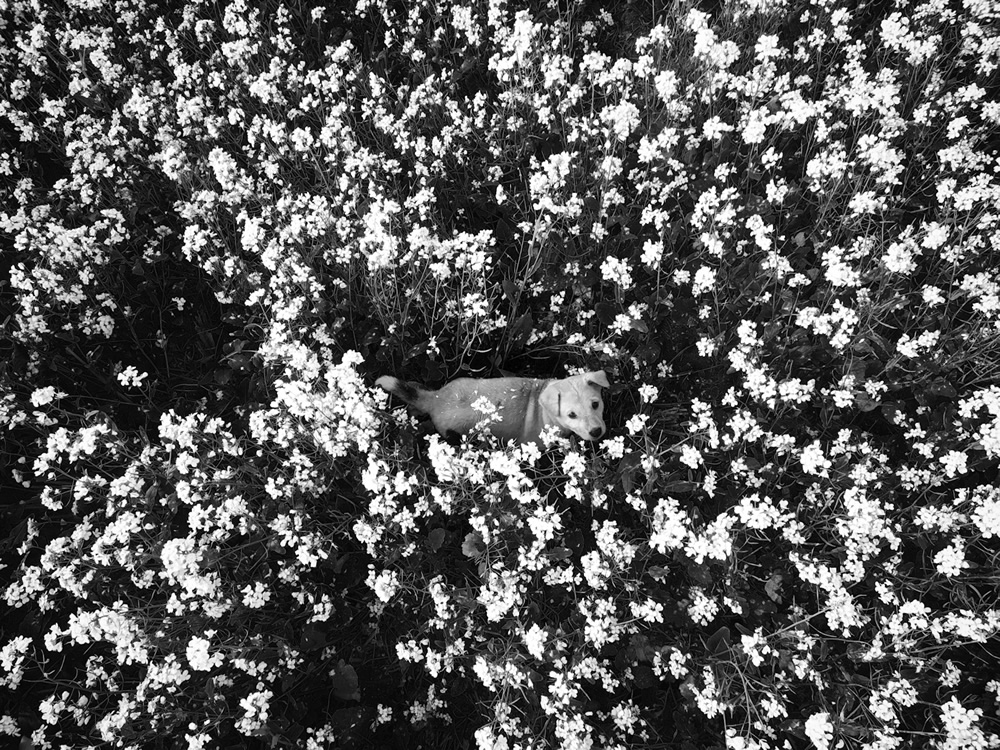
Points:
[(774, 226)]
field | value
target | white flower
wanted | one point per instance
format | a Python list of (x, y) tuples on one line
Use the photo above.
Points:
[(813, 460), (666, 85), (715, 127), (198, 657), (385, 584), (961, 728), (487, 740), (534, 641), (635, 423), (951, 675), (819, 730), (954, 463), (704, 280), (131, 376), (652, 253), (951, 560), (12, 661), (755, 647), (677, 664), (621, 119), (706, 346), (756, 126), (691, 456), (43, 396), (899, 257), (256, 707), (8, 726), (617, 271), (702, 608), (595, 570), (937, 235), (255, 595), (707, 698), (987, 515), (932, 296), (669, 527), (912, 347)]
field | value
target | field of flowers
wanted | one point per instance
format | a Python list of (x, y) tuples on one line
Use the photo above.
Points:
[(774, 224)]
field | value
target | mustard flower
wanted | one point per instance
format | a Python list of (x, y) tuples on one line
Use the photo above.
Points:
[(256, 708), (702, 608), (814, 461), (12, 657), (951, 561), (534, 640), (962, 730), (198, 656), (819, 730), (707, 696)]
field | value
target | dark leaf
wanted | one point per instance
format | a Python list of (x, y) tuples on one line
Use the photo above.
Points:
[(345, 682), (606, 312), (435, 539), (312, 638), (643, 677), (865, 402), (472, 546), (700, 574), (773, 587), (521, 330), (719, 643)]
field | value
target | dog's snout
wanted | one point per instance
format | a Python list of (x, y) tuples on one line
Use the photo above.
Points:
[(596, 432)]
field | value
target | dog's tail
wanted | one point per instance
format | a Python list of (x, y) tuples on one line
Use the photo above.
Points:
[(411, 393)]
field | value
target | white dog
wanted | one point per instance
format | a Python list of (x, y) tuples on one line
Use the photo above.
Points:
[(525, 406)]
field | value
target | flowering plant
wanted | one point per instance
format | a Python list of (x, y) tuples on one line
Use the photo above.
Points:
[(774, 225)]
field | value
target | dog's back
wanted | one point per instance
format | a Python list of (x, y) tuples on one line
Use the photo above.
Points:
[(524, 406), (451, 407)]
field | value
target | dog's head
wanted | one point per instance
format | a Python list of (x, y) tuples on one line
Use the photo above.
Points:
[(574, 404)]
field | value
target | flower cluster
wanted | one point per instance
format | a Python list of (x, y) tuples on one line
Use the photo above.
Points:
[(774, 225)]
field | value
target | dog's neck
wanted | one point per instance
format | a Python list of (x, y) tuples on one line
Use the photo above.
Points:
[(539, 417)]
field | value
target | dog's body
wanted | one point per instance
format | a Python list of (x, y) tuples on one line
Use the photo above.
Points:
[(525, 406)]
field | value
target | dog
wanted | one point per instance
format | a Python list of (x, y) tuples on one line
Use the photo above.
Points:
[(525, 406)]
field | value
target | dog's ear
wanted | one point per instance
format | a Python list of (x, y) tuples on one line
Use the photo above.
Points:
[(598, 378), (551, 398)]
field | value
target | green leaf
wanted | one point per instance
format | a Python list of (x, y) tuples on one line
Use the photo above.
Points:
[(657, 573), (312, 638), (942, 388), (606, 312), (865, 402), (719, 643), (435, 539), (773, 587), (345, 682), (643, 677), (521, 330), (700, 573), (680, 487), (472, 546)]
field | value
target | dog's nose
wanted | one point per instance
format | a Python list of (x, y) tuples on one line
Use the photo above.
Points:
[(596, 432)]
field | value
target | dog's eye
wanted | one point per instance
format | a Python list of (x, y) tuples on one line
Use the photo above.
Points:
[(595, 404), (572, 415)]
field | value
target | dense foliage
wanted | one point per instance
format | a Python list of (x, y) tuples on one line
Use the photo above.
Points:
[(774, 224)]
